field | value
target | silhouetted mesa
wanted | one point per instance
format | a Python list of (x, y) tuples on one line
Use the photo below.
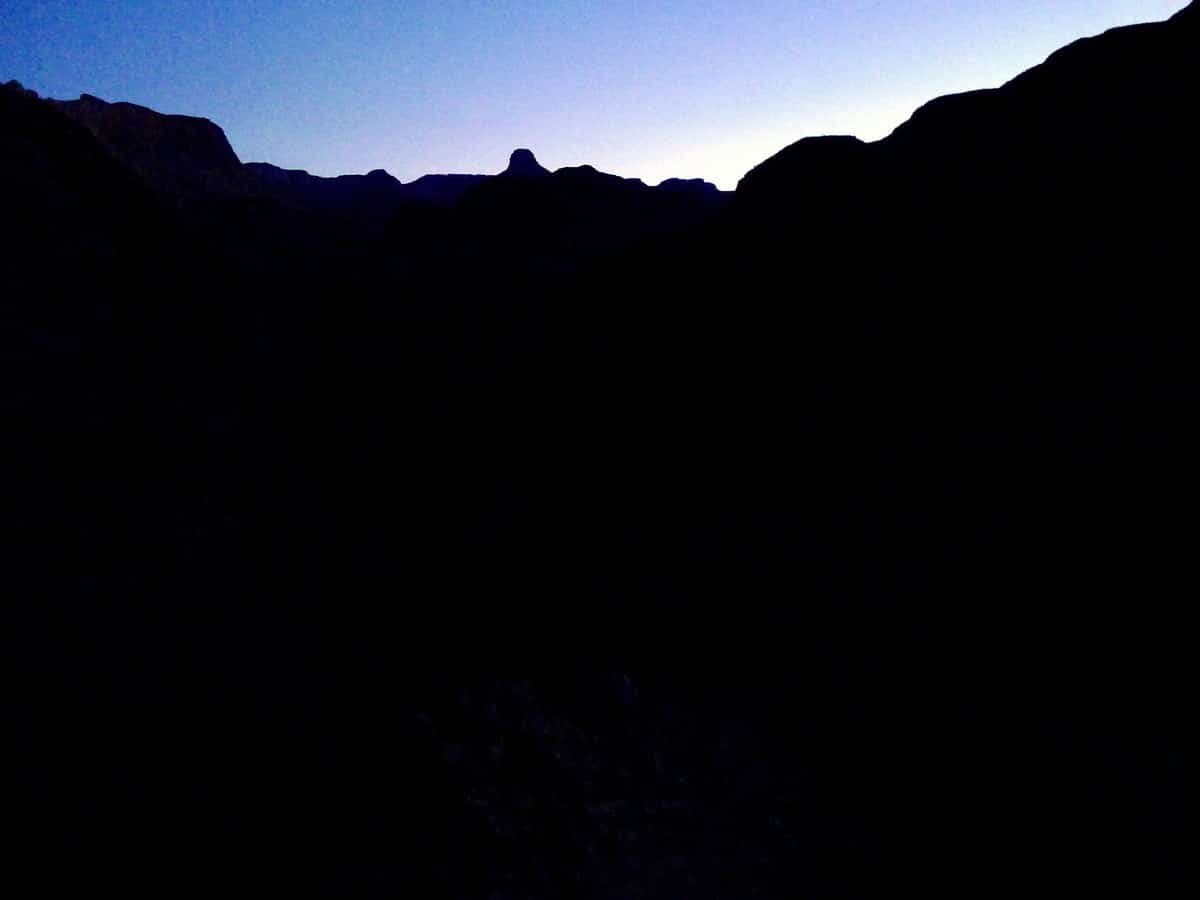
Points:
[(523, 164), (374, 195), (441, 190), (689, 186), (174, 154)]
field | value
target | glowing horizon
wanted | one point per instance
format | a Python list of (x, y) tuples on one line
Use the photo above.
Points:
[(702, 89)]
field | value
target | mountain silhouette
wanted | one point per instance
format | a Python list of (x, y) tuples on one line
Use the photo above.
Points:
[(189, 159), (177, 154), (1035, 183), (441, 190), (562, 536), (1057, 135), (683, 185), (574, 214), (376, 195), (523, 164)]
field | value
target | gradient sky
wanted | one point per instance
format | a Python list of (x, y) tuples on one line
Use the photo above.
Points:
[(703, 88)]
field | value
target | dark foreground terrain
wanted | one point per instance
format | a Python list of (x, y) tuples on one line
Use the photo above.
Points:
[(553, 535)]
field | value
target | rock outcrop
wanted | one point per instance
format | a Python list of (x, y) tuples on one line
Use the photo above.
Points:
[(180, 155), (523, 164), (689, 186)]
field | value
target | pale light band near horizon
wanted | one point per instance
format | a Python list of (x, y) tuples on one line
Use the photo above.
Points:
[(649, 90)]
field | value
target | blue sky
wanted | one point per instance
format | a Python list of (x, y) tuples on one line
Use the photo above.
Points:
[(704, 88)]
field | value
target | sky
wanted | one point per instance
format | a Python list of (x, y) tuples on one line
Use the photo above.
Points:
[(675, 88)]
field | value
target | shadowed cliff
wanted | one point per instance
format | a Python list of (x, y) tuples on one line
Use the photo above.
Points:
[(1038, 171), (575, 538), (175, 154)]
